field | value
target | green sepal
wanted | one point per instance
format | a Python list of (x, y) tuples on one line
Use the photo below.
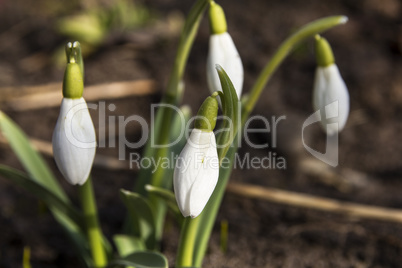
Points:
[(73, 84), (217, 19), (206, 116), (323, 52)]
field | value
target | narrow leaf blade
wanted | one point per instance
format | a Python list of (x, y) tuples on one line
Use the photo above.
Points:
[(168, 197), (41, 193), (142, 217), (231, 108), (29, 157), (127, 244), (39, 172)]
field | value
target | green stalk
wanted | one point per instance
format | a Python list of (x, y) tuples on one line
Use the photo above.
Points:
[(174, 90), (208, 216), (186, 42), (94, 232), (187, 240), (165, 115)]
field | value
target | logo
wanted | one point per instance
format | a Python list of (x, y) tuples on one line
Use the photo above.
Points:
[(328, 117)]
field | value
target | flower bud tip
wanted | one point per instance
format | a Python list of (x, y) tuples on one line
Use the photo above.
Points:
[(343, 19), (217, 19), (324, 55), (76, 44)]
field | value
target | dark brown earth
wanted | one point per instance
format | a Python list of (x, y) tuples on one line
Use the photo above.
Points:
[(261, 234)]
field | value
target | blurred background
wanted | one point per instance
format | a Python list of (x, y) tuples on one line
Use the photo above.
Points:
[(132, 44)]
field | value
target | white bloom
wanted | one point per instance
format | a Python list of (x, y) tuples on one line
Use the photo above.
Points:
[(196, 173), (222, 51), (331, 97), (74, 141)]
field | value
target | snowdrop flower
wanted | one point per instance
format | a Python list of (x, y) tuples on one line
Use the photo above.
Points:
[(74, 141), (330, 94), (197, 168), (222, 51)]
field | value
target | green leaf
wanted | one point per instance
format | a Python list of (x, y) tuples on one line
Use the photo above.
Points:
[(40, 173), (141, 217), (208, 216), (177, 133), (144, 259), (29, 157), (230, 104), (41, 193), (168, 197), (76, 236), (127, 244), (70, 219)]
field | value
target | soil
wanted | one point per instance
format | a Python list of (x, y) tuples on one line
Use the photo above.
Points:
[(261, 234)]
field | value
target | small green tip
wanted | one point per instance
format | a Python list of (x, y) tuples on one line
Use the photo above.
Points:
[(323, 52), (215, 94), (69, 53), (217, 19), (73, 84), (74, 54), (206, 116)]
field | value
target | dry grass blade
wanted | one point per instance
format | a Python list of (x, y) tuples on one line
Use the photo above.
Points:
[(46, 96), (269, 194), (318, 203)]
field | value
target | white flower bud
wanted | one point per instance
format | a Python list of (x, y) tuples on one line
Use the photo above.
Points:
[(222, 51), (74, 141), (196, 173), (331, 97)]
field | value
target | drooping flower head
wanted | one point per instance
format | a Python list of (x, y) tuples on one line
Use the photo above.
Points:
[(330, 94), (222, 51), (74, 140), (197, 167)]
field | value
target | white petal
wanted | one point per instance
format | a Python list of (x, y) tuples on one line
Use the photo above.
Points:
[(331, 96), (319, 88), (205, 183), (223, 51), (197, 160), (74, 141)]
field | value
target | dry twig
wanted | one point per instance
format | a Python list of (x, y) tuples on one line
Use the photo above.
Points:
[(46, 96), (318, 203)]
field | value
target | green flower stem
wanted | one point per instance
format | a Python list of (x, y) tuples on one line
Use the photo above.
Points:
[(165, 114), (94, 232), (208, 216), (186, 42), (174, 88), (283, 51), (187, 242)]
